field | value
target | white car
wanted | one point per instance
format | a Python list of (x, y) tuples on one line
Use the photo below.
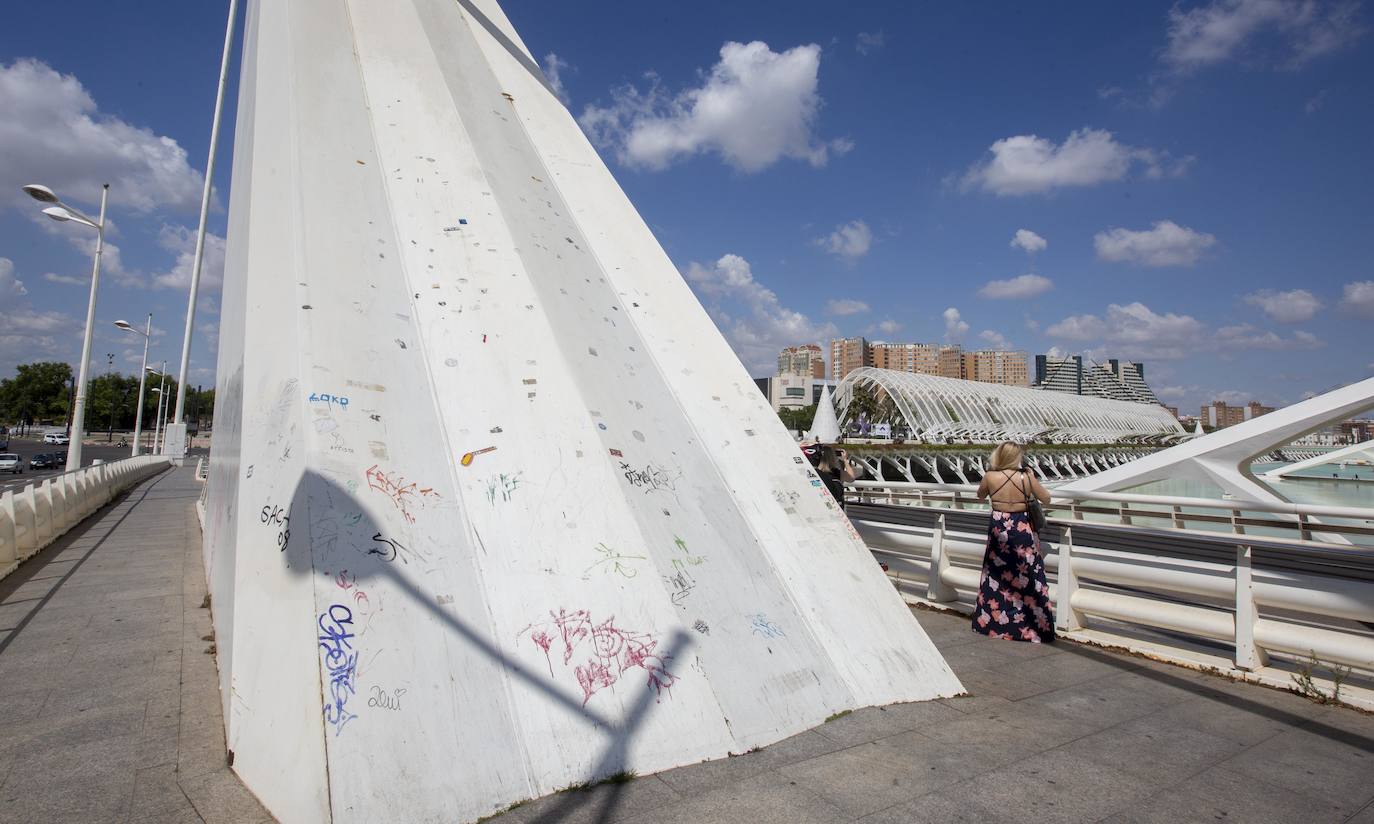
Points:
[(57, 438), (11, 463)]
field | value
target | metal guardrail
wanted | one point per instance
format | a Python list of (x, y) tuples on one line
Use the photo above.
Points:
[(1191, 566), (33, 517)]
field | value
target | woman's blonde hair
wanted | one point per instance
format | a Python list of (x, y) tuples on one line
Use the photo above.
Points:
[(1007, 456)]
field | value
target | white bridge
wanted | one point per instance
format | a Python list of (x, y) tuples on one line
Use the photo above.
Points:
[(1254, 589)]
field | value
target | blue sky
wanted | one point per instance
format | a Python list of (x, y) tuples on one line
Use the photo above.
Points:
[(1187, 185)]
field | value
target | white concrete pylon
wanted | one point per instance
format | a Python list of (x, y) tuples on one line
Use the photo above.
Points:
[(493, 508), (1223, 457), (1364, 449), (1198, 431), (825, 427)]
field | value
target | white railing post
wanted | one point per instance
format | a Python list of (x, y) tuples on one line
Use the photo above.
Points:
[(25, 526), (1248, 656), (1125, 513), (9, 533), (1066, 618), (1236, 526), (1178, 516), (936, 588)]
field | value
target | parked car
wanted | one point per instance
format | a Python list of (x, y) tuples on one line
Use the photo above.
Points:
[(42, 461), (59, 459), (11, 463), (57, 437)]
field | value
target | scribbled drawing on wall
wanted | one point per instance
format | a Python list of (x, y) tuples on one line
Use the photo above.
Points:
[(599, 653), (402, 494), (276, 516), (680, 584), (328, 399), (611, 563), (502, 486), (390, 549), (702, 627), (787, 500), (760, 625), (383, 700), (651, 478), (341, 661), (688, 558)]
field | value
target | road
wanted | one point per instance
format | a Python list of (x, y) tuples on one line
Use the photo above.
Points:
[(26, 448)]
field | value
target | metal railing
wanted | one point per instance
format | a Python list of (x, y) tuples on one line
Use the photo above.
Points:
[(1261, 578), (33, 517)]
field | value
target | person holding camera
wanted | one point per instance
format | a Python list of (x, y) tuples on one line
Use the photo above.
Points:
[(835, 470), (1013, 597)]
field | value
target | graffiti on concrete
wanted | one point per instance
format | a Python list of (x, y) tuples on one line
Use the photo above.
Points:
[(599, 653)]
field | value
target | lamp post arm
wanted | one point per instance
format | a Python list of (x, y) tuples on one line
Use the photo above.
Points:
[(204, 215)]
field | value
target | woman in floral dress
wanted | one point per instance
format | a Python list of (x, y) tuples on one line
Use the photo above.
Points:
[(1013, 598)]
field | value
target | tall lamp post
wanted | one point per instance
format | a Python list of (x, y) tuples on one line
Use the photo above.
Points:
[(62, 212), (178, 451), (160, 389), (142, 378)]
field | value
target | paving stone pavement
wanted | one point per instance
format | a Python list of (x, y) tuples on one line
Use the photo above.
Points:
[(109, 711), (109, 702)]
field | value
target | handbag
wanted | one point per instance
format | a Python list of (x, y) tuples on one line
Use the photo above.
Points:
[(1034, 510)]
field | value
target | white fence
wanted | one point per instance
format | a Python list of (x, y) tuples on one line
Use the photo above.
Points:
[(32, 517), (1261, 578)]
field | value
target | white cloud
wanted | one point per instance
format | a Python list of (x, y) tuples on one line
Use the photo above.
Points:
[(553, 72), (1358, 297), (755, 107), (1027, 164), (995, 339), (1293, 306), (1134, 330), (869, 41), (1173, 392), (53, 133), (889, 327), (955, 326), (182, 241), (1164, 244), (1232, 397), (851, 240), (1022, 286), (1245, 337), (65, 280), (1028, 240), (11, 287), (766, 326), (1315, 103), (1225, 29), (845, 306)]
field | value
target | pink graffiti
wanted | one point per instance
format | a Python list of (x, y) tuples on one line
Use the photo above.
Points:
[(402, 494), (603, 651)]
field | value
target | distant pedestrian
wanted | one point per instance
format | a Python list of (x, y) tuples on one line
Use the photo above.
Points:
[(1013, 597), (835, 470)]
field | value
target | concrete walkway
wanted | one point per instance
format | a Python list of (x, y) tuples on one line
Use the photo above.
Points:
[(109, 706), (109, 711)]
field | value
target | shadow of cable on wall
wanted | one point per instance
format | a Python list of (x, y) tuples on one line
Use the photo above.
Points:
[(332, 534)]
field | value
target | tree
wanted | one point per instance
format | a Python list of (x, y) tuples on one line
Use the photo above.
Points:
[(862, 404), (37, 392), (797, 419)]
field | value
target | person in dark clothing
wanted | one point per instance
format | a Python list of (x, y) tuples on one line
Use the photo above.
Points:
[(835, 470)]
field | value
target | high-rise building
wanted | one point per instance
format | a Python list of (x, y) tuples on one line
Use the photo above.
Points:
[(806, 359), (942, 360), (1219, 414), (848, 354), (997, 366), (1116, 379), (1059, 374)]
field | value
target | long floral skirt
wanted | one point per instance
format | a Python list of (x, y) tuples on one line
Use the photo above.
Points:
[(1013, 598)]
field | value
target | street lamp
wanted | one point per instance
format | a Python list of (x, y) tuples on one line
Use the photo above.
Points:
[(161, 395), (62, 212), (179, 451), (142, 378)]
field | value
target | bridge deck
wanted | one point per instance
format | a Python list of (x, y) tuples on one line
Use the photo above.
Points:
[(110, 712)]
